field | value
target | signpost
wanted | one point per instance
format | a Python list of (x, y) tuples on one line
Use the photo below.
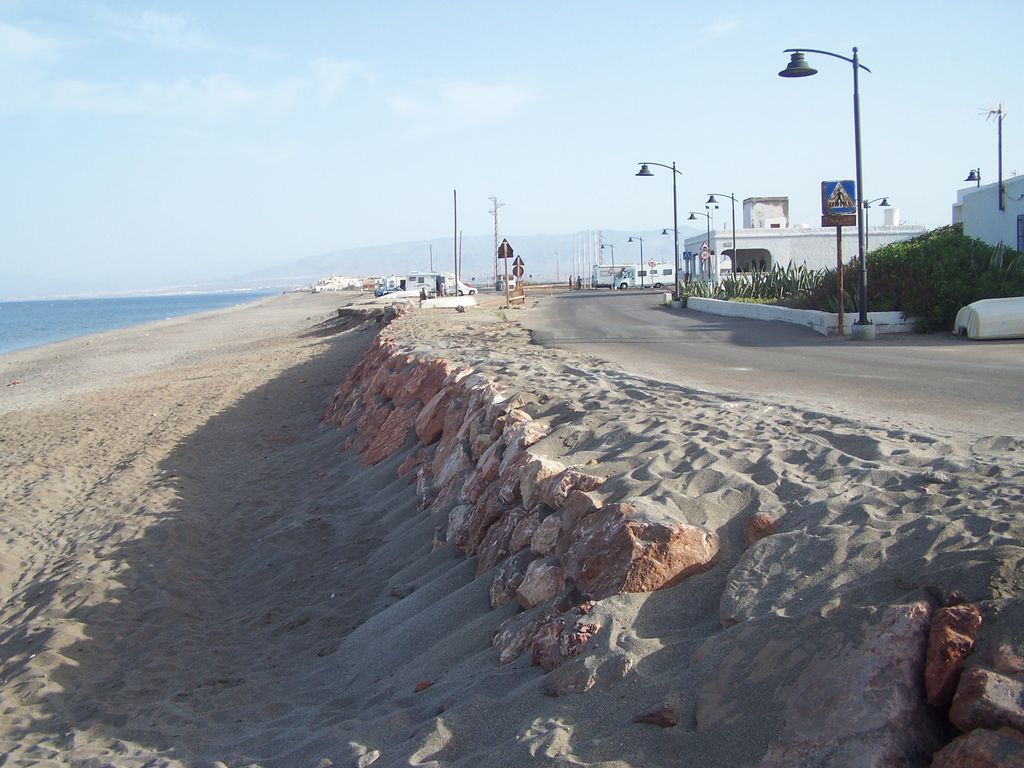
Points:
[(505, 253), (839, 209)]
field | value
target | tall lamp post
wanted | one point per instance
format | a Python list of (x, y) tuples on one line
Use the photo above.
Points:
[(693, 217), (646, 171), (798, 67), (643, 267), (713, 201), (611, 247), (883, 202)]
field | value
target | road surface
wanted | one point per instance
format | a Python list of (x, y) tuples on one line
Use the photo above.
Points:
[(938, 381)]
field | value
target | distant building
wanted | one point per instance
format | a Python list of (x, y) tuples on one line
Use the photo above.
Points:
[(766, 239), (977, 208), (335, 283)]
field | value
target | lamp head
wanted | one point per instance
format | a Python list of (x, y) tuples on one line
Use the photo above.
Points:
[(884, 203), (644, 170), (798, 66), (974, 175), (664, 231), (693, 217), (711, 200)]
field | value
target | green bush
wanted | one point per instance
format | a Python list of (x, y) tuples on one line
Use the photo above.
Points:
[(932, 276)]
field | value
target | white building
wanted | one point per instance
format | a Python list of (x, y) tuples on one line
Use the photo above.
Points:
[(766, 239), (978, 209)]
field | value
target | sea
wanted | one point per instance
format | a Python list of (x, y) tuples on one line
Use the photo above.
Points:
[(26, 324)]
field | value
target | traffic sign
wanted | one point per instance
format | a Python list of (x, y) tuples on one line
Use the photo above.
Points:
[(518, 261), (652, 263), (705, 251), (504, 250), (517, 270), (838, 197)]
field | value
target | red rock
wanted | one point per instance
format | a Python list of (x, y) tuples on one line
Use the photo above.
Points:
[(430, 421), (1003, 748), (413, 461), (424, 486), (509, 474), (556, 491), (495, 546), (535, 474), (403, 389), (514, 637), (544, 648), (616, 550), (986, 699), (758, 527), (507, 578), (545, 538), (457, 518), (857, 701), (663, 715), (422, 685), (485, 473), (573, 643), (544, 580), (437, 372), (391, 435), (482, 516), (578, 505), (949, 642), (523, 534), (402, 372)]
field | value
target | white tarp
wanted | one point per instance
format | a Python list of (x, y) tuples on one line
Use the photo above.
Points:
[(991, 319)]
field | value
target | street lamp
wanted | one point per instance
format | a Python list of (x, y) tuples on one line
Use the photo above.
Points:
[(646, 171), (883, 202), (735, 247), (974, 175), (643, 268), (612, 247), (798, 67), (693, 217)]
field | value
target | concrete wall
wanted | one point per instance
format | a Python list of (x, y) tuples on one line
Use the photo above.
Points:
[(814, 247), (978, 208), (824, 323)]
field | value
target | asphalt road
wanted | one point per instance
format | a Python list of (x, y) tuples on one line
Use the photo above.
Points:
[(935, 381)]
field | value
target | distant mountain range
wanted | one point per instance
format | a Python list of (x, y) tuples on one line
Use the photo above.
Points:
[(545, 257)]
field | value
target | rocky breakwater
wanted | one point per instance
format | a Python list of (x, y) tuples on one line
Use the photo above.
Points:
[(541, 530)]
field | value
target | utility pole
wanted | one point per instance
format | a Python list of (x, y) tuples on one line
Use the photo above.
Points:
[(495, 205)]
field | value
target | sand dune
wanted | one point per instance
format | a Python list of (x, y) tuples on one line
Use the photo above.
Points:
[(196, 573)]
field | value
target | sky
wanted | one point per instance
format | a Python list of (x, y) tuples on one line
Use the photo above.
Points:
[(148, 143)]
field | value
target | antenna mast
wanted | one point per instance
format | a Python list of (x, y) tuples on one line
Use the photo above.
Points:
[(495, 205)]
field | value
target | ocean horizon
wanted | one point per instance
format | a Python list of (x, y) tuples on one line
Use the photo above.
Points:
[(35, 322)]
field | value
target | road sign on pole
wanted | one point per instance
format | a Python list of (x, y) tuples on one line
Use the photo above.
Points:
[(504, 250), (838, 203)]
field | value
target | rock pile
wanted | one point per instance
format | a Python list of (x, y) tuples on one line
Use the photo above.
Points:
[(538, 528)]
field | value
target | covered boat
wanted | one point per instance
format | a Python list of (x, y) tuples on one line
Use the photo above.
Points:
[(991, 319)]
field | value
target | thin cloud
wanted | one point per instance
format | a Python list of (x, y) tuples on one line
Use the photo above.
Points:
[(462, 103), (330, 77), (163, 30), (22, 45), (212, 97), (717, 29)]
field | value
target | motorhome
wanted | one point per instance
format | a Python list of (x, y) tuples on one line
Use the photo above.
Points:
[(632, 275), (436, 283)]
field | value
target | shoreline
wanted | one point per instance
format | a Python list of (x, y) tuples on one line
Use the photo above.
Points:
[(198, 572), (253, 296)]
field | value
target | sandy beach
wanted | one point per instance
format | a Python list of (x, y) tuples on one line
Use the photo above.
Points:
[(199, 571)]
